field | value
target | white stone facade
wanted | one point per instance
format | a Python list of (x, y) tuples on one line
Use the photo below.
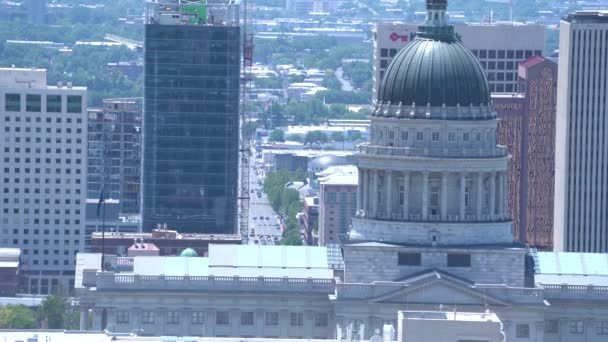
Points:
[(581, 151), (43, 153)]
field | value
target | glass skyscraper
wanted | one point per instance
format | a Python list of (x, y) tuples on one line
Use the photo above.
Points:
[(190, 127)]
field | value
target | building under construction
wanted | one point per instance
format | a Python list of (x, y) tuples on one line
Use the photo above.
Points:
[(190, 167)]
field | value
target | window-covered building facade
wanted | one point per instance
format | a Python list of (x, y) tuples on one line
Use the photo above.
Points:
[(190, 135)]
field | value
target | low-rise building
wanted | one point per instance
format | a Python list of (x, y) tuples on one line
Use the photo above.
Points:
[(168, 242), (311, 219), (11, 277)]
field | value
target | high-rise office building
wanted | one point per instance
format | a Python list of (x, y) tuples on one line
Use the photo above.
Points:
[(527, 128), (43, 172), (581, 151), (190, 126), (114, 157), (499, 47)]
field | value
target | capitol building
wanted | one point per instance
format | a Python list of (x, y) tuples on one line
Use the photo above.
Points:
[(431, 233)]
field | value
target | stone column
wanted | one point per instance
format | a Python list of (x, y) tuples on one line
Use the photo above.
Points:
[(84, 318), (360, 190), (406, 191), (389, 194), (374, 193), (492, 195), (97, 318), (425, 195), (444, 196), (463, 185), (501, 194), (479, 199), (365, 192)]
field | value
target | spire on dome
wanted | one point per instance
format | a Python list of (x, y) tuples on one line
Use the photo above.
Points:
[(436, 25)]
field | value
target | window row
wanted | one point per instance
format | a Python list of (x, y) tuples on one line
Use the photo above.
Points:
[(7, 139), (39, 119), (508, 54), (38, 170), (26, 231), (296, 319), (36, 221), (33, 103), (452, 259), (58, 130), (435, 136), (39, 150), (575, 327)]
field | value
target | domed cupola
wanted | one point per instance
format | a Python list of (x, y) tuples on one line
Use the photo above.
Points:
[(434, 70)]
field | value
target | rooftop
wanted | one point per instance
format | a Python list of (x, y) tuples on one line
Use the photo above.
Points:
[(172, 235), (339, 175), (588, 17), (570, 268)]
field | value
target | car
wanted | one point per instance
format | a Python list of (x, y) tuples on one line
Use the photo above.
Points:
[(255, 217)]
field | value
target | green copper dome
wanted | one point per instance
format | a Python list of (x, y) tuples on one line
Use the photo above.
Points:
[(189, 252), (435, 68)]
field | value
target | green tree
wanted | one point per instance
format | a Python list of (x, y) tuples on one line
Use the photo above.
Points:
[(315, 137), (17, 317), (337, 136), (52, 311), (293, 137), (277, 135)]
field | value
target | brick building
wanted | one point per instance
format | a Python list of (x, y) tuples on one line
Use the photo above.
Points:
[(527, 127)]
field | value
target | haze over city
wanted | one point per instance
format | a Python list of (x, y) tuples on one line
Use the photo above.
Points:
[(303, 170)]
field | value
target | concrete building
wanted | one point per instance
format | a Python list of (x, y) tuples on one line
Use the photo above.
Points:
[(43, 153), (114, 152), (498, 46), (446, 246), (191, 116), (527, 128), (580, 221), (337, 202), (169, 242), (11, 277)]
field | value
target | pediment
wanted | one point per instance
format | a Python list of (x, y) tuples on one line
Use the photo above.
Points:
[(438, 291)]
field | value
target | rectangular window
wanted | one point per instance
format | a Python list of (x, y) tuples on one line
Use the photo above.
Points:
[(383, 52), (53, 103), (601, 328), (197, 317), (321, 319), (459, 260), (272, 318), (12, 102), (451, 136), (122, 316), (222, 318), (522, 330), (296, 319), (332, 197), (577, 327), (148, 317), (465, 136), (404, 136), (246, 318), (33, 103), (435, 196), (419, 136), (74, 104), (435, 136), (392, 53), (173, 317), (409, 259)]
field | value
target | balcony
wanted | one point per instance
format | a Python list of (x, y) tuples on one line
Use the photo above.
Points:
[(496, 152)]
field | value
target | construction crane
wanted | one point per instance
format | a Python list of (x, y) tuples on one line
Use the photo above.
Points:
[(245, 147)]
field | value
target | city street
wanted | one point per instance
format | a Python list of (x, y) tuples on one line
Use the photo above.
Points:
[(262, 218)]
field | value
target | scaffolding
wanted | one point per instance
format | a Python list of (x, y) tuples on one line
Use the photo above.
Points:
[(245, 147)]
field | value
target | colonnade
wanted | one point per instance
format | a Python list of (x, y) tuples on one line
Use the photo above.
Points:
[(392, 195)]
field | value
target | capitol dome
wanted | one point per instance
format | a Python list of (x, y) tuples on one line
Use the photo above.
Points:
[(435, 69)]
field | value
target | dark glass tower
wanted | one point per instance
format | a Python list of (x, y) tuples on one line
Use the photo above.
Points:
[(190, 128)]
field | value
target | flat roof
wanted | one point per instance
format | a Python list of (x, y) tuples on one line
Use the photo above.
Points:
[(451, 316), (180, 236)]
